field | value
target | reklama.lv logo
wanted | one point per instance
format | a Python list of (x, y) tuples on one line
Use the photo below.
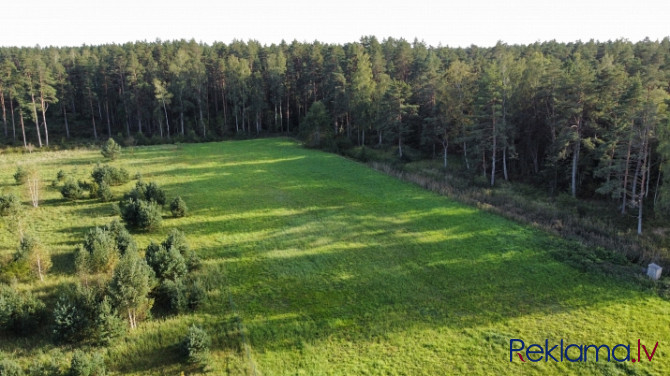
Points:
[(577, 353)]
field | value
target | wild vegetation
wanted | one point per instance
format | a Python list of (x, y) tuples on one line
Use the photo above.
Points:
[(312, 264), (586, 118)]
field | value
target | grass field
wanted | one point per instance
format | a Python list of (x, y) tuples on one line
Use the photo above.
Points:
[(317, 265)]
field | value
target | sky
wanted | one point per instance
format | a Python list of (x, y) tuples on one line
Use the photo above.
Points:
[(447, 23)]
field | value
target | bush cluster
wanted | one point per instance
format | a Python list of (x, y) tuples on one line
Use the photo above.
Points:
[(172, 261), (86, 314), (98, 253), (178, 207), (103, 247), (9, 205), (124, 241), (30, 259), (20, 312), (72, 190), (9, 367), (110, 175), (104, 177), (83, 364), (104, 192), (141, 207), (47, 365), (140, 214), (147, 192), (21, 175), (60, 175)]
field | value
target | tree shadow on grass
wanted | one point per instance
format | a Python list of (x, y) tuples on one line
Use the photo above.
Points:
[(318, 259), (311, 285), (371, 302), (307, 257), (95, 209), (63, 263)]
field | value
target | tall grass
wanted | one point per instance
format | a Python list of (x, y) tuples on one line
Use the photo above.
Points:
[(565, 216)]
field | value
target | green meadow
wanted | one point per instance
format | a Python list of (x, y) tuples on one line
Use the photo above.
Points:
[(317, 265)]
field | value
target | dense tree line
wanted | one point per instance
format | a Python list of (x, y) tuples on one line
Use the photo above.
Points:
[(589, 118)]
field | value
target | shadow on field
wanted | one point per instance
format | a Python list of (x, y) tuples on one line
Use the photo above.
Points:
[(94, 210), (63, 263), (299, 250), (316, 251), (58, 164), (78, 232), (298, 286)]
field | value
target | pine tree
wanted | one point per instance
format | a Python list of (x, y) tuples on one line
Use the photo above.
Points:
[(362, 87), (398, 109), (129, 288), (577, 100)]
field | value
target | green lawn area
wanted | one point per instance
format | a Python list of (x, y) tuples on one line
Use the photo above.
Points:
[(318, 265)]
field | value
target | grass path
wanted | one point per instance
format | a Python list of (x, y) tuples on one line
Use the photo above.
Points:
[(336, 269)]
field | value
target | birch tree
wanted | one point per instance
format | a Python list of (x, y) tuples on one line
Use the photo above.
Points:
[(165, 98)]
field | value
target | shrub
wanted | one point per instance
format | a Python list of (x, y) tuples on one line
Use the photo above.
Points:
[(178, 207), (191, 136), (107, 325), (110, 175), (29, 258), (61, 175), (26, 246), (14, 271), (166, 263), (105, 192), (74, 314), (102, 247), (141, 139), (155, 194), (9, 367), (124, 241), (192, 260), (81, 257), (196, 294), (84, 313), (195, 346), (45, 367), (110, 149), (99, 252), (177, 239), (71, 190), (147, 192), (87, 365), (32, 253), (93, 190), (20, 312), (9, 205), (363, 155), (70, 321), (140, 214), (86, 186), (179, 295), (171, 296), (21, 175)]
